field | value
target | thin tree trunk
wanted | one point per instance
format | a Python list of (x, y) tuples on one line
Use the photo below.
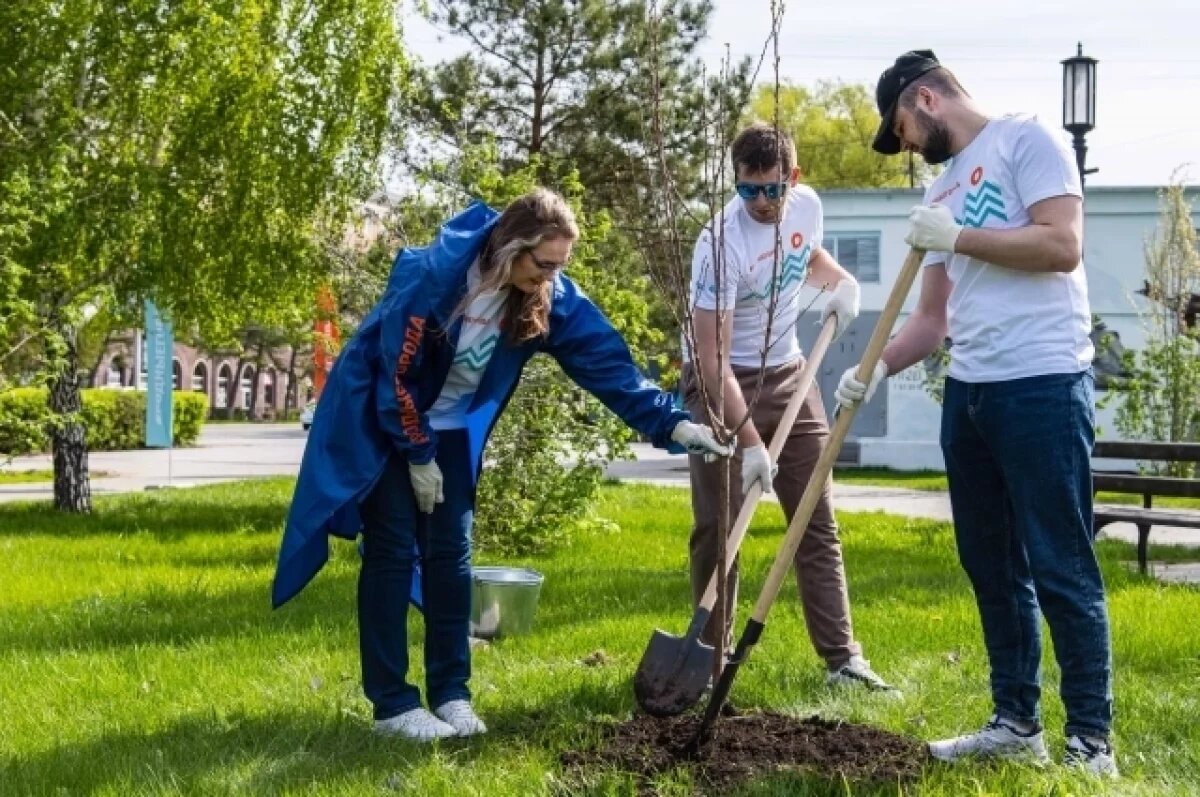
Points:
[(291, 399), (72, 487), (255, 385), (233, 389)]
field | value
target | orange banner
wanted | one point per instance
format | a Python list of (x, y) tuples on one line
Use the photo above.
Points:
[(326, 339)]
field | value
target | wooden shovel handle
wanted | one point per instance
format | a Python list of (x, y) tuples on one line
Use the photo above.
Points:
[(746, 514), (837, 435)]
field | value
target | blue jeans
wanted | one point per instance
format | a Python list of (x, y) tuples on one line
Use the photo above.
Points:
[(1018, 464), (391, 525)]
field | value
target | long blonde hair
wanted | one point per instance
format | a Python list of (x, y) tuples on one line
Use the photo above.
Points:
[(526, 222)]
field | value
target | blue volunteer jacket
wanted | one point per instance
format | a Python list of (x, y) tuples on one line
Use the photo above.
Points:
[(390, 374)]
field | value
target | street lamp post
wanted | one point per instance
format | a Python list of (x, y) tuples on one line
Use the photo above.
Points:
[(1079, 104)]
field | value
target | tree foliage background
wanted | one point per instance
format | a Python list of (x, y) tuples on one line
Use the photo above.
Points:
[(210, 155), (188, 152)]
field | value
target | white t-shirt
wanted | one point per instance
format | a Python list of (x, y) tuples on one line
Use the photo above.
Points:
[(752, 276), (1005, 323), (476, 341)]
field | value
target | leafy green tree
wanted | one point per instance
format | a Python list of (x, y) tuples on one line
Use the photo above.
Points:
[(1161, 399), (187, 151), (833, 126), (568, 81)]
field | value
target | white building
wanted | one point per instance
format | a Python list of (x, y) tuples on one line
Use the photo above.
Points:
[(865, 231)]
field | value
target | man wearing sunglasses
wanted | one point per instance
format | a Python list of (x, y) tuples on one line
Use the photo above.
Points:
[(750, 265)]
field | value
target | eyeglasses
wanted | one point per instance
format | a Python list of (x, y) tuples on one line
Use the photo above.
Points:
[(546, 266), (748, 191)]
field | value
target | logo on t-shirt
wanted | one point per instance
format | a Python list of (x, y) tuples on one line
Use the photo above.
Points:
[(946, 193), (477, 356), (985, 201), (793, 270)]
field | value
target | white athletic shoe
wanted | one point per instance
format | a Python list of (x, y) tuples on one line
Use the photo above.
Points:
[(415, 724), (1095, 756), (459, 715), (1000, 738), (858, 672)]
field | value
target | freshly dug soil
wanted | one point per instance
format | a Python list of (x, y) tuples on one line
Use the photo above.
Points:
[(747, 746)]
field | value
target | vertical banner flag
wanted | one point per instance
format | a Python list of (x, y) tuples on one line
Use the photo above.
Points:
[(325, 342), (160, 378)]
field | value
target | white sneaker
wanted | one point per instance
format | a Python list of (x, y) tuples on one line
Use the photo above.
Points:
[(416, 724), (459, 715), (858, 671), (1095, 756), (1000, 738)]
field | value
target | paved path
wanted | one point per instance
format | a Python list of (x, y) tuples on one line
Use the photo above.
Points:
[(227, 452), (224, 452), (658, 467)]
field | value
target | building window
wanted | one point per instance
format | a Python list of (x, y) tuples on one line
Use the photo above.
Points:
[(857, 252), (247, 386), (200, 378), (222, 396)]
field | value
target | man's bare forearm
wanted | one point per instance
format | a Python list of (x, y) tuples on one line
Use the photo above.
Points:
[(1034, 248), (735, 403), (917, 339)]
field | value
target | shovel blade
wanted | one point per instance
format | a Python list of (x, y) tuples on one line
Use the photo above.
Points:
[(673, 674)]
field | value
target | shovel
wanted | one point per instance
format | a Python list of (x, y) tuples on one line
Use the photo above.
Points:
[(674, 672), (812, 493)]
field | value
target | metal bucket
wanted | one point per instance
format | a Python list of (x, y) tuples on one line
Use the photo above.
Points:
[(503, 600)]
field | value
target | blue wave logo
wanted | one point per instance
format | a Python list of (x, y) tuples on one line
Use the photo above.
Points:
[(984, 203), (794, 270), (476, 357)]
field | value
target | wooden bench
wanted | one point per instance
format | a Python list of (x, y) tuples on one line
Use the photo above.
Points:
[(1145, 516)]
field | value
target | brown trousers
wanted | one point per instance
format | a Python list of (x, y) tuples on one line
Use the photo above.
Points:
[(820, 573)]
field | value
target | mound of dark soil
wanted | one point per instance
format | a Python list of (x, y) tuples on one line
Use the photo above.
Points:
[(752, 745)]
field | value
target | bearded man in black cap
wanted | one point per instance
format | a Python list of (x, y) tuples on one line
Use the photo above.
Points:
[(1003, 229)]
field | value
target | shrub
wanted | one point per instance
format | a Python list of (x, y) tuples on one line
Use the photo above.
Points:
[(544, 464), (23, 414), (188, 417), (1161, 400), (115, 420)]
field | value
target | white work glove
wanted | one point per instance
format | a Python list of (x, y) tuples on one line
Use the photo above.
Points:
[(844, 302), (757, 467), (932, 228), (698, 439), (427, 485), (850, 391)]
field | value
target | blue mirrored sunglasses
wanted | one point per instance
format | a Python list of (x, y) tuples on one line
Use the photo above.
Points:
[(748, 191)]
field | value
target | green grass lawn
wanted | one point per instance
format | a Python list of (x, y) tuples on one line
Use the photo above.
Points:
[(934, 481), (36, 476), (931, 480), (139, 655), (25, 476)]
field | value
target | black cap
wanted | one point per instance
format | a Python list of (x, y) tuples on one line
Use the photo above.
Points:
[(892, 83)]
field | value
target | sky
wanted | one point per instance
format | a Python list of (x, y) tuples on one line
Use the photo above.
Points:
[(1007, 54)]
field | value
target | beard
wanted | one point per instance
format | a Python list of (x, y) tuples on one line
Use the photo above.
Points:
[(936, 149)]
